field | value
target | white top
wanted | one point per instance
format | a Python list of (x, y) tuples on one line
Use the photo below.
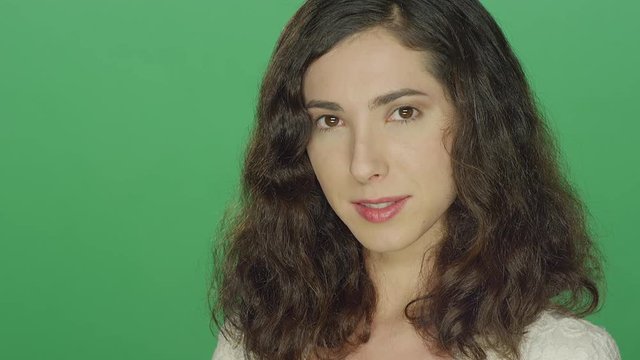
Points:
[(552, 336)]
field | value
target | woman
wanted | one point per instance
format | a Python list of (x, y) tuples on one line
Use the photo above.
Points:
[(402, 199)]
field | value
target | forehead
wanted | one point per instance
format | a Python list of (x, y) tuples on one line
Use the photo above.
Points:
[(367, 64)]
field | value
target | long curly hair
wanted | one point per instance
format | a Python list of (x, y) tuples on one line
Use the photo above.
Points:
[(289, 277)]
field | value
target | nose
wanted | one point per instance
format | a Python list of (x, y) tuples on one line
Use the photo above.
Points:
[(368, 162)]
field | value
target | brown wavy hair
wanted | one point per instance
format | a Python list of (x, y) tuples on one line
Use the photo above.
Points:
[(289, 276)]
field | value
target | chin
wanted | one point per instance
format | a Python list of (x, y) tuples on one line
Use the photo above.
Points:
[(396, 237), (382, 248), (378, 242)]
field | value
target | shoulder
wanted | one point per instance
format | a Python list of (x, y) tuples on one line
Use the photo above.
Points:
[(557, 336), (228, 349)]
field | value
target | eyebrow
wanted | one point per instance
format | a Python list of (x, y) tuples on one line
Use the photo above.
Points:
[(378, 101)]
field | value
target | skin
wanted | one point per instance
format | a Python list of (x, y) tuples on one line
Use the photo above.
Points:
[(367, 152)]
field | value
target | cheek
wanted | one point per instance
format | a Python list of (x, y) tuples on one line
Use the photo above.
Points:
[(422, 145), (429, 162), (324, 166)]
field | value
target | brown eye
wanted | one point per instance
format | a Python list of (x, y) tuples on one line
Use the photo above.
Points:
[(330, 122), (405, 112)]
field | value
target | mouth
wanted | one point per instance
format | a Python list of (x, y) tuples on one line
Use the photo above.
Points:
[(380, 210)]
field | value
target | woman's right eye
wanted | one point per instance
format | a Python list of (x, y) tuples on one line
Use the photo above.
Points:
[(327, 122)]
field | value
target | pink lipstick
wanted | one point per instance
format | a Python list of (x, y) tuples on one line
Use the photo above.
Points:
[(380, 210)]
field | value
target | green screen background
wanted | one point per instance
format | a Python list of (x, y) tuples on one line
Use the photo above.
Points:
[(122, 126)]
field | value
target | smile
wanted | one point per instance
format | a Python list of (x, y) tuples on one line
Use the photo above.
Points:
[(380, 211)]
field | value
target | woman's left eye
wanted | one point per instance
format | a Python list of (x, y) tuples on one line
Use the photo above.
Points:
[(405, 113)]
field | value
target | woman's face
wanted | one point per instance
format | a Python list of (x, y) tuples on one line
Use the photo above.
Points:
[(379, 119)]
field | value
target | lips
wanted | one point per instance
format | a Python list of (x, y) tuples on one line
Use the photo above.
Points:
[(380, 210)]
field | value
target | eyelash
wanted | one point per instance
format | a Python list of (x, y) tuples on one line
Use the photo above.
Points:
[(402, 121)]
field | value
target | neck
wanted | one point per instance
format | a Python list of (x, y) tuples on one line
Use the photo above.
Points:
[(400, 277)]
